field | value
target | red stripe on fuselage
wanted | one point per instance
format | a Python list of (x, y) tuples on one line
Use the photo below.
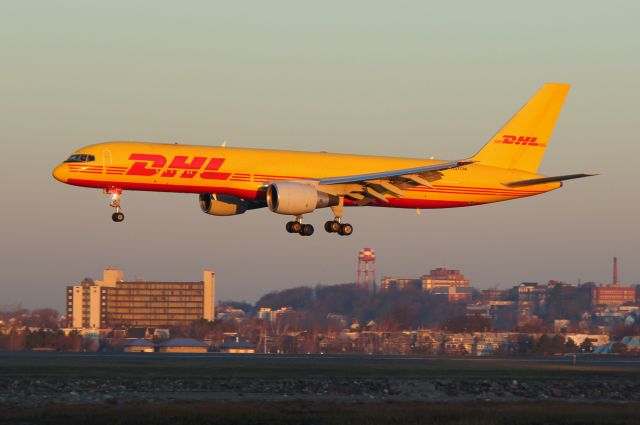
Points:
[(176, 188), (257, 194)]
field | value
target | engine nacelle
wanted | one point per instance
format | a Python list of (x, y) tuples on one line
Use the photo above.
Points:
[(222, 205), (293, 198)]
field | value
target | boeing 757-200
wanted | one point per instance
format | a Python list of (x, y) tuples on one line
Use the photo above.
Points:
[(230, 181)]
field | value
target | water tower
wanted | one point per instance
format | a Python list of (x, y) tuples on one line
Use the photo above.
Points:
[(366, 268)]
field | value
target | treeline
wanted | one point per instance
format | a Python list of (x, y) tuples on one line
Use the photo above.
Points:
[(392, 310), (20, 340), (37, 318), (566, 302), (551, 344)]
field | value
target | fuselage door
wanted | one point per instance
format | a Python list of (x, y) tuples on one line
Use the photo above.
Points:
[(107, 160)]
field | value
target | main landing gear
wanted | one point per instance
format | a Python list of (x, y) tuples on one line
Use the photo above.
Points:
[(299, 228), (117, 216), (333, 226), (336, 226)]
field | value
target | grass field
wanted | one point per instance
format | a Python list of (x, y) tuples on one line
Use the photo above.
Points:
[(144, 365)]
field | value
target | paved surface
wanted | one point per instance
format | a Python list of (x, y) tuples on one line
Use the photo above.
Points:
[(345, 359)]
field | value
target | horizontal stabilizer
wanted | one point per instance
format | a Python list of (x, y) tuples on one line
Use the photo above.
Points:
[(543, 180)]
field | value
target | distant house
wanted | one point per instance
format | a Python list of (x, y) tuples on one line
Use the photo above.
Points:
[(237, 344), (183, 345), (148, 333), (139, 345), (632, 342), (139, 333)]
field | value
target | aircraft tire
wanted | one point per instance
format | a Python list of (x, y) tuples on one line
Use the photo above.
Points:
[(345, 229), (307, 230), (296, 227)]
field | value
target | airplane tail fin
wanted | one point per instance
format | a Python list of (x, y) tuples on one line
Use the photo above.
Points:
[(521, 143)]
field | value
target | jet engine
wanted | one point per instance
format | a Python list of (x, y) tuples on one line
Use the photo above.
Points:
[(222, 205), (293, 198)]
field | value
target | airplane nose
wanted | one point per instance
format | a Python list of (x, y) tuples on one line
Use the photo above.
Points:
[(59, 174)]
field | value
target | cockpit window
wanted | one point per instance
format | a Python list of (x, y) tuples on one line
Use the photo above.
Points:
[(81, 158)]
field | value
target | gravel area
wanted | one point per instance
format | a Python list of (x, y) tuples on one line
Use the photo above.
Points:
[(42, 391)]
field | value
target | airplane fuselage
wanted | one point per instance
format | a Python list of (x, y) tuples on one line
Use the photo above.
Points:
[(244, 173)]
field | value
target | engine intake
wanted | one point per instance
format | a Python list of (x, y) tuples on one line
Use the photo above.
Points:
[(222, 205), (293, 198)]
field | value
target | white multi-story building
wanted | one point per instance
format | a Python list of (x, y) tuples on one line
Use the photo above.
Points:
[(114, 301)]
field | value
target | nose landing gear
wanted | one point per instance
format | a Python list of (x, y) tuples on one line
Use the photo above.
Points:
[(117, 217), (115, 193)]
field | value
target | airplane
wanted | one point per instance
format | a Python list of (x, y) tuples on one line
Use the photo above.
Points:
[(231, 181)]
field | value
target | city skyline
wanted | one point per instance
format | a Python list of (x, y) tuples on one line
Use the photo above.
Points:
[(133, 277), (413, 82)]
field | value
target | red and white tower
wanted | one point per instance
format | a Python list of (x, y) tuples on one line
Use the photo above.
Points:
[(366, 268), (615, 271)]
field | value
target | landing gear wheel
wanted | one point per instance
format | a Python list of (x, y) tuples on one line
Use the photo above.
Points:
[(332, 226), (296, 227), (288, 227), (117, 217), (345, 229), (307, 230)]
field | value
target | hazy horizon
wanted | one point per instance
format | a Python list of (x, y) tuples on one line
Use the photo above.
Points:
[(416, 79)]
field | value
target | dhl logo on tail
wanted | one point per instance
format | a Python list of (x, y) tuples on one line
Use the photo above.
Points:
[(519, 140)]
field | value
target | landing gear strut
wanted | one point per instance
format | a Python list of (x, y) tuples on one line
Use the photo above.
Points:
[(118, 215), (299, 228)]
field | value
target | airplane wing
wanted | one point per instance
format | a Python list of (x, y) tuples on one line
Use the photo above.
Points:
[(365, 188)]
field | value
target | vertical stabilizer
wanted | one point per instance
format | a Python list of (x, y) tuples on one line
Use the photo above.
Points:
[(521, 143)]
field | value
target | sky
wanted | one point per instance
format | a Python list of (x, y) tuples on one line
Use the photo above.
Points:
[(411, 79)]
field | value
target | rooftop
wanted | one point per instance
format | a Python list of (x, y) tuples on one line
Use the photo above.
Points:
[(140, 342), (183, 342)]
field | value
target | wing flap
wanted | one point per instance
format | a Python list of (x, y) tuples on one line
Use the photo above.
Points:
[(365, 188), (419, 180)]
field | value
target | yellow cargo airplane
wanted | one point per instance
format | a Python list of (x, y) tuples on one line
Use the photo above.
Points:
[(231, 181)]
